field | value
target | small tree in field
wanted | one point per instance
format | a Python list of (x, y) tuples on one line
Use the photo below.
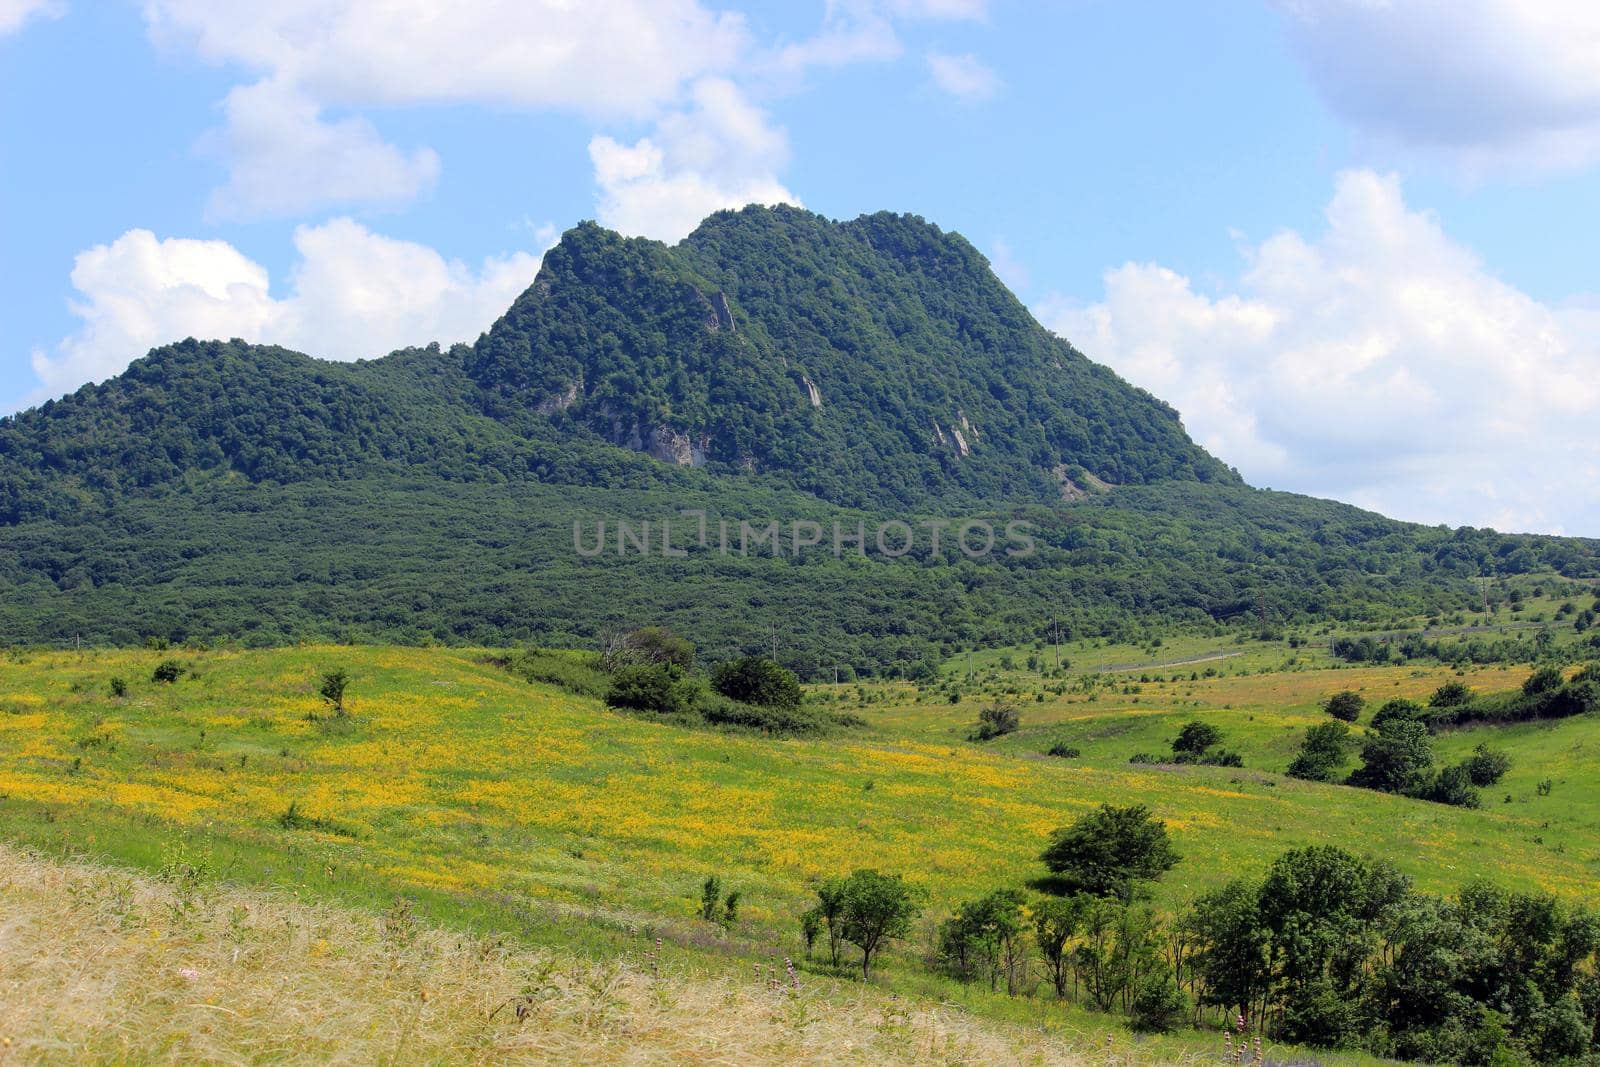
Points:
[(1109, 852), (757, 680), (1323, 752), (1196, 737), (334, 684), (877, 908), (996, 720), (1345, 706)]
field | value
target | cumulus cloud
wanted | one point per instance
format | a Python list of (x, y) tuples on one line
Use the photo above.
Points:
[(620, 58), (1379, 362), (352, 294), (14, 13), (963, 76), (284, 158), (1489, 84), (720, 152), (628, 59)]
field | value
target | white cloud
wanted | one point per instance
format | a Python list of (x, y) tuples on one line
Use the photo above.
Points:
[(622, 59), (14, 13), (284, 158), (963, 76), (1488, 84), (353, 294), (721, 152), (1379, 363)]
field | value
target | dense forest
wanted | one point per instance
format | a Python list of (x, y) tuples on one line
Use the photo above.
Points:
[(774, 365)]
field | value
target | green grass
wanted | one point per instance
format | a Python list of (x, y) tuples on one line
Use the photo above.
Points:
[(503, 805)]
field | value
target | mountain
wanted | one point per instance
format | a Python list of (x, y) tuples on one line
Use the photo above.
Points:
[(772, 364)]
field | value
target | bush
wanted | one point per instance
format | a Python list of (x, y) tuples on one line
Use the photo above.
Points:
[(576, 672), (1450, 695), (996, 720), (650, 644), (1486, 765), (1159, 1006), (1454, 786), (1108, 852), (167, 672), (1323, 752), (757, 680), (1399, 710), (1196, 737), (119, 688), (1062, 750), (653, 687), (1345, 705), (334, 684), (1543, 680)]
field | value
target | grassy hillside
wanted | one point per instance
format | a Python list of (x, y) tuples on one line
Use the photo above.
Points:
[(515, 809), (107, 967), (456, 779)]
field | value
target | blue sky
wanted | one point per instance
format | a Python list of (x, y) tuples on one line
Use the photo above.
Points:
[(1351, 241)]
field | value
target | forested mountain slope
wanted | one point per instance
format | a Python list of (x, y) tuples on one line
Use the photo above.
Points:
[(775, 365)]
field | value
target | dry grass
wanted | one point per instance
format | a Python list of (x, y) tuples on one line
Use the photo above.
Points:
[(101, 965)]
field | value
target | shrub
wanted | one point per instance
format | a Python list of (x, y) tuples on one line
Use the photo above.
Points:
[(1543, 680), (1062, 750), (334, 684), (1399, 710), (996, 720), (1397, 758), (1454, 786), (1450, 695), (1109, 852), (1159, 1006), (1486, 765), (1196, 737), (875, 909), (166, 672), (652, 687), (119, 688), (757, 680), (1324, 750), (1345, 705), (650, 644)]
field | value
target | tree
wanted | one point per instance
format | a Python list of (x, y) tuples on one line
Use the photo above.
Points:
[(1345, 705), (655, 687), (166, 672), (1109, 852), (1453, 785), (334, 684), (1397, 758), (827, 915), (1451, 695), (650, 644), (1055, 922), (1232, 957), (1486, 766), (876, 908), (1543, 680), (1196, 737), (757, 680), (997, 719), (1398, 709), (1323, 752), (984, 939)]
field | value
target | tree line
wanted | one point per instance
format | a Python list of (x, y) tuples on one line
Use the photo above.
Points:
[(1324, 948)]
